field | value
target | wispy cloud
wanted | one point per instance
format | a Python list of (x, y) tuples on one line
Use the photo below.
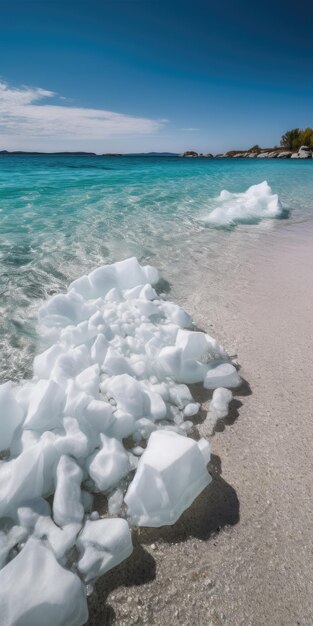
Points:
[(24, 112), (190, 129)]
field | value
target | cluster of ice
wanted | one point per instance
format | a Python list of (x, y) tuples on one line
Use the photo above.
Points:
[(258, 202), (107, 410)]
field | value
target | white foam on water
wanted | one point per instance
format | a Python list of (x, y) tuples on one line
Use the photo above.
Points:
[(255, 204), (104, 412)]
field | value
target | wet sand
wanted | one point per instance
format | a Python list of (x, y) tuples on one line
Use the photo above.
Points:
[(242, 554)]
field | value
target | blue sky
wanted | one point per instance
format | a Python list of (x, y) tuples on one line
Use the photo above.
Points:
[(141, 75)]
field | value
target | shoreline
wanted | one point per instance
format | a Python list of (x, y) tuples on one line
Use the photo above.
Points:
[(240, 555), (232, 154)]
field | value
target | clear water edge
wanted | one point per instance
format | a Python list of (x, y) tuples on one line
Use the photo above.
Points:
[(62, 216)]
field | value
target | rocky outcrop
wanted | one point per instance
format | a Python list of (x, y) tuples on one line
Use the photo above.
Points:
[(305, 152), (190, 154)]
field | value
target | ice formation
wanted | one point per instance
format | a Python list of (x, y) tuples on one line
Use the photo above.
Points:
[(171, 473), (107, 410), (218, 408), (258, 202), (103, 544), (36, 590)]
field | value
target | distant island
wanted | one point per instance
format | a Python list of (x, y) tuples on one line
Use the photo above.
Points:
[(93, 154), (294, 144)]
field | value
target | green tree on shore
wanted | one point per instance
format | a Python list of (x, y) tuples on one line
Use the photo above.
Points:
[(296, 137), (307, 137)]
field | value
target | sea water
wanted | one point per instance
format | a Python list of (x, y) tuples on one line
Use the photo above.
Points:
[(61, 216)]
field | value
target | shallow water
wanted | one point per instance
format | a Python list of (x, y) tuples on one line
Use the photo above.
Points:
[(62, 216)]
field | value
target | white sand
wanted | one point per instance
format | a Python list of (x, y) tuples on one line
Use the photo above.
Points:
[(257, 569)]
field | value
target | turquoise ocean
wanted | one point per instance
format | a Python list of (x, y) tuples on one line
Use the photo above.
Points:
[(61, 216)]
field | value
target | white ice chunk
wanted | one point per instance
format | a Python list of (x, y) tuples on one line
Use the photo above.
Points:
[(45, 408), (115, 501), (180, 395), (60, 539), (11, 415), (44, 362), (123, 425), (170, 359), (185, 371), (143, 428), (115, 364), (130, 274), (99, 349), (75, 442), (198, 345), (23, 394), (67, 505), (77, 335), (70, 364), (109, 465), (99, 415), (171, 474), (157, 409), (147, 292), (36, 590), (176, 314), (63, 309), (76, 400), (89, 380), (191, 409), (256, 203), (23, 440), (218, 408), (9, 540), (28, 476), (129, 395), (147, 308), (102, 280), (151, 273), (29, 513), (103, 544), (222, 375), (220, 402), (133, 293), (82, 286)]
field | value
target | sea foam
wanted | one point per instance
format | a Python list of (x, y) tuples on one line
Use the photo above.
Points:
[(104, 412), (257, 203)]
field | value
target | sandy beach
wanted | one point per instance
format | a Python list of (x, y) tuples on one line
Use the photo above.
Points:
[(242, 554)]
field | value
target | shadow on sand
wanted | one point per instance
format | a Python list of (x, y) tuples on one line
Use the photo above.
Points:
[(216, 507)]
